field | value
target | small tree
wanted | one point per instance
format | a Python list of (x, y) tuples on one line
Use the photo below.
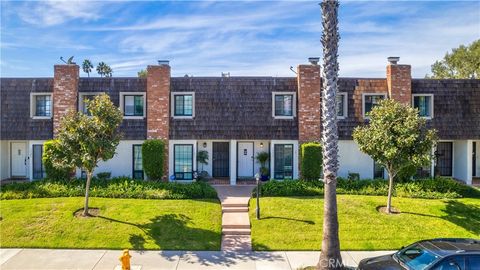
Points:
[(52, 148), (85, 140), (311, 161), (262, 158), (462, 63), (397, 138), (202, 157), (153, 158), (142, 73), (87, 66)]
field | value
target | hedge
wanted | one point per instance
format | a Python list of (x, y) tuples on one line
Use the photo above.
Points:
[(311, 161), (438, 188), (153, 157), (118, 187)]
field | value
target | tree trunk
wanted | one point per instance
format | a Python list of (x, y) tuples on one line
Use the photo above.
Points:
[(87, 190), (330, 256), (390, 189)]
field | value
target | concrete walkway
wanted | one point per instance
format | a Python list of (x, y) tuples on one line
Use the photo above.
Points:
[(53, 259), (235, 220)]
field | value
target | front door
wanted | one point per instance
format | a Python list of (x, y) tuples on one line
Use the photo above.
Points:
[(221, 159), (444, 156), (19, 159), (245, 159)]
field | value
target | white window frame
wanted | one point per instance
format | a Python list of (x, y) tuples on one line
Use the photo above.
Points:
[(122, 105), (172, 105), (345, 107), (431, 103), (363, 101), (33, 104), (294, 105), (81, 105)]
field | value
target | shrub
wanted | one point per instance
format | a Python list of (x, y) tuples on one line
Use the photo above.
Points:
[(118, 187), (437, 188), (104, 175), (311, 161), (153, 157), (54, 173)]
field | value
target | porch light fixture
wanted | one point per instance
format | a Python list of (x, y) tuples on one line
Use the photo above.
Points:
[(204, 144), (261, 145)]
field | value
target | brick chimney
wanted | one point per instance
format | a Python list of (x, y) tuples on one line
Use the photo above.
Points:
[(399, 81), (158, 105), (309, 103), (65, 92)]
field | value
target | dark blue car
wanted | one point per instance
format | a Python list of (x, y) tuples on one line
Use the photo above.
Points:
[(435, 254)]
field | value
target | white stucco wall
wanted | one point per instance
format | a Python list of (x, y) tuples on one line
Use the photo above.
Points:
[(4, 160), (460, 160), (478, 159), (352, 160), (122, 163)]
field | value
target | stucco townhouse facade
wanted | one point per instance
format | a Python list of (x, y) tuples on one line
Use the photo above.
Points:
[(234, 118)]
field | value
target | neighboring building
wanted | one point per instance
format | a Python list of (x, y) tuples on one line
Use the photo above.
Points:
[(233, 118)]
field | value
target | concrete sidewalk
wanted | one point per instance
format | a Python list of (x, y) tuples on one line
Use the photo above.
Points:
[(41, 259)]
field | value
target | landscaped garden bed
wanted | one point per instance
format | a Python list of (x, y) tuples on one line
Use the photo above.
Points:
[(119, 187), (295, 223), (118, 224), (438, 188)]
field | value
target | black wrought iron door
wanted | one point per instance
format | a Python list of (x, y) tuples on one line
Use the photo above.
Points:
[(221, 159), (444, 158)]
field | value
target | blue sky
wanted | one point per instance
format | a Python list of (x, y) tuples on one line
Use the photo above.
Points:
[(261, 38)]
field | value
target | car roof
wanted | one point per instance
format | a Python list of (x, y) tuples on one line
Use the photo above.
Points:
[(448, 246)]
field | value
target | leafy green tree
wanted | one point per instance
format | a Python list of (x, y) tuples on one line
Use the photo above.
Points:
[(397, 138), (82, 141), (104, 70), (87, 66), (153, 158), (311, 161), (462, 63), (142, 73), (330, 256)]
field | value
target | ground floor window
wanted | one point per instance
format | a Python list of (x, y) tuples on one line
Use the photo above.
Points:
[(283, 161), (444, 159), (183, 159), (137, 162), (378, 171), (38, 168)]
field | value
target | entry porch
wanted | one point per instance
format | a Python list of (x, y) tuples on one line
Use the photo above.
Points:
[(231, 161)]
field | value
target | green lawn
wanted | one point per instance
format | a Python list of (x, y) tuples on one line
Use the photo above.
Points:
[(295, 223), (122, 223)]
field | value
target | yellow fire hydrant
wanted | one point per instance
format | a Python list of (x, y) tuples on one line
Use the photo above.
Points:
[(125, 259)]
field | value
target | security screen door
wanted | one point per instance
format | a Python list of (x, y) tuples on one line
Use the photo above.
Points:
[(221, 159)]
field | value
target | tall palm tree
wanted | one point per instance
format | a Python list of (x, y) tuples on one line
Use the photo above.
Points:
[(87, 66), (330, 256)]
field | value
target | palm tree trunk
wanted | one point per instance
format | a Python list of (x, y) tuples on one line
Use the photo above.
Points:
[(330, 257), (87, 190)]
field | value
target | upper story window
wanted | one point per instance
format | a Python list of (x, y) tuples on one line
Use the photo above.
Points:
[(424, 104), (342, 105), (132, 104), (183, 104), (82, 105), (370, 101), (41, 105), (284, 105)]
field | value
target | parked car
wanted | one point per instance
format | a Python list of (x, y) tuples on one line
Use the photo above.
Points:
[(434, 254)]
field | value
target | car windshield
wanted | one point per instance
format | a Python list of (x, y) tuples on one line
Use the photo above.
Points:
[(417, 257)]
